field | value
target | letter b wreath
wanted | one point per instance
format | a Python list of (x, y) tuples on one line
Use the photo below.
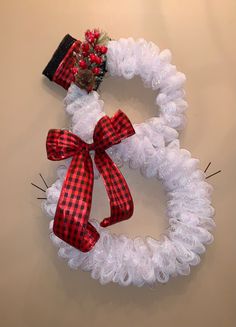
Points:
[(152, 146)]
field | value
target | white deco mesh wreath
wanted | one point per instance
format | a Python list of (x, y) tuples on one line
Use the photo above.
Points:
[(155, 150)]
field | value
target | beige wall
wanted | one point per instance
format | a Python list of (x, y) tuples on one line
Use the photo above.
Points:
[(37, 289)]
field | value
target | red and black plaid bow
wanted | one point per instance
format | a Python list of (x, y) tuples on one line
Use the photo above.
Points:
[(74, 204)]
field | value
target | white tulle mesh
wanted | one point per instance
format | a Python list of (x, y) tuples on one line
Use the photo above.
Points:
[(127, 58), (155, 150)]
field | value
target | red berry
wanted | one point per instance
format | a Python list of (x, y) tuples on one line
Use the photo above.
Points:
[(96, 34), (82, 64), (97, 48), (103, 49), (98, 60), (87, 34), (85, 47), (96, 70), (74, 70), (91, 39), (92, 57)]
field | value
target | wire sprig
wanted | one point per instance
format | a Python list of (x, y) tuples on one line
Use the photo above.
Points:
[(40, 188), (213, 174)]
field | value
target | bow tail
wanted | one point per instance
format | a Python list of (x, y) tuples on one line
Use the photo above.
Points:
[(121, 202), (74, 205)]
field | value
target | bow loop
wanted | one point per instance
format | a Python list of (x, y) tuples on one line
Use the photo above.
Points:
[(111, 131), (62, 144), (122, 125), (104, 135)]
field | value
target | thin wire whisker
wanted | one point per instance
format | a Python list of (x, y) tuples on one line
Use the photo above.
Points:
[(43, 180), (219, 171), (38, 187), (207, 167)]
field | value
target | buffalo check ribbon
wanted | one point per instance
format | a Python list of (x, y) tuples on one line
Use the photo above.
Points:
[(74, 204), (63, 74)]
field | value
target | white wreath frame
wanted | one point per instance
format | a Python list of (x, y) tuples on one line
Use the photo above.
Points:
[(155, 150)]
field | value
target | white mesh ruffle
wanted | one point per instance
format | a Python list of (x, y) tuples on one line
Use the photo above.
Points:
[(127, 58)]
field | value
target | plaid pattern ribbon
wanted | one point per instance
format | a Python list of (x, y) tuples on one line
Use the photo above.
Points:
[(74, 204), (63, 75)]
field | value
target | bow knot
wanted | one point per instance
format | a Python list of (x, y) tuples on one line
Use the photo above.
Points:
[(91, 147), (74, 204)]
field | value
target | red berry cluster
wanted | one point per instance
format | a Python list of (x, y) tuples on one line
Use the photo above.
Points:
[(91, 57)]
